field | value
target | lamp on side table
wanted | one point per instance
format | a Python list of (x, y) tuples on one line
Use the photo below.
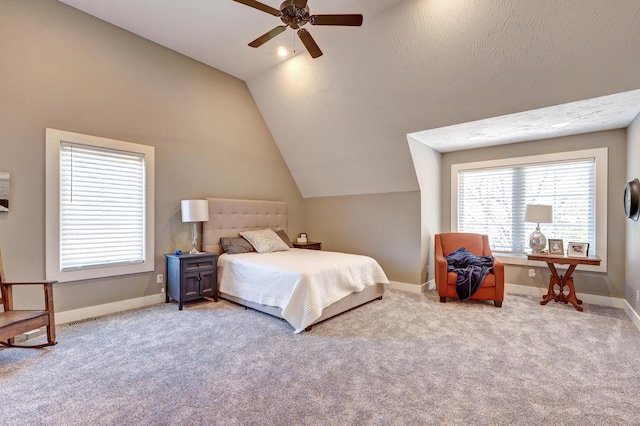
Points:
[(538, 213), (195, 211)]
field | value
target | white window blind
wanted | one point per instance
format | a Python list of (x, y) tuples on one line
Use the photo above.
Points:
[(492, 201), (102, 207)]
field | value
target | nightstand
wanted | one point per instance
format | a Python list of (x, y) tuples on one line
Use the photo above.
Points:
[(191, 277), (309, 246)]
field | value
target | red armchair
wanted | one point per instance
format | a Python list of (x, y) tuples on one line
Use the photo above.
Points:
[(492, 287)]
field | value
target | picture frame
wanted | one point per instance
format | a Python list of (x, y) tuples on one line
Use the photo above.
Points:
[(576, 249), (556, 246), (5, 181)]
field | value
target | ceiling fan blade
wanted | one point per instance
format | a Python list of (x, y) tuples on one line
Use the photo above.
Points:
[(300, 3), (309, 43), (345, 20), (268, 36), (259, 6)]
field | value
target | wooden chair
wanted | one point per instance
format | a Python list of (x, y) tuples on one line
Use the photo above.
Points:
[(492, 287), (16, 322)]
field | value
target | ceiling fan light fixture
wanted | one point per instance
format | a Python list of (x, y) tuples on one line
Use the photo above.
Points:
[(295, 14), (283, 52)]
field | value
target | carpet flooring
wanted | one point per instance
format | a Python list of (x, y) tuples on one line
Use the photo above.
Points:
[(405, 360)]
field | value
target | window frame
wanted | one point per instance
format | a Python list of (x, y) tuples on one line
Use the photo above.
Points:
[(600, 155), (53, 140)]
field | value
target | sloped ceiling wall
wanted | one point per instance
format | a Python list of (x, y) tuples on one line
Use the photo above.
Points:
[(341, 121)]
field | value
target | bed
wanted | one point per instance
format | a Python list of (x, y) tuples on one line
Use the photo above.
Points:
[(303, 287)]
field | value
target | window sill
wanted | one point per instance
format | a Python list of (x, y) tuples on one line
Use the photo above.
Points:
[(518, 259)]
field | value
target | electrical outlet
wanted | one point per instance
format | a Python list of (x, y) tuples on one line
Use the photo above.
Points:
[(159, 279), (532, 273)]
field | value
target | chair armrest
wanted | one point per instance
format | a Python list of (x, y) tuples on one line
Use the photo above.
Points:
[(7, 292), (29, 283), (498, 271), (440, 266)]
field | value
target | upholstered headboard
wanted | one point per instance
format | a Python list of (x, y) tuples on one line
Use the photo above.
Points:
[(227, 217)]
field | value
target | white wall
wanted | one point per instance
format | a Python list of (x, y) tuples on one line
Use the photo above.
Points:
[(632, 229), (427, 163)]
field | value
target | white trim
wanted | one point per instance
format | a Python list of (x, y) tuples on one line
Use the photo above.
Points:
[(633, 315), (600, 155), (108, 308), (53, 140), (410, 288)]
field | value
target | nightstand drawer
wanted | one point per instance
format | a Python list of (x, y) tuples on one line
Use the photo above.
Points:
[(193, 265)]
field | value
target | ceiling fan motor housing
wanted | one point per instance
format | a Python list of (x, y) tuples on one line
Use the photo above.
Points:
[(292, 15)]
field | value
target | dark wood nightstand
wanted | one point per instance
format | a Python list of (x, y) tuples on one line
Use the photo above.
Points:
[(191, 277), (309, 245)]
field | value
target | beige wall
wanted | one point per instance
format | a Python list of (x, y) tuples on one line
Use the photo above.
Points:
[(63, 69), (603, 284), (383, 226), (632, 229)]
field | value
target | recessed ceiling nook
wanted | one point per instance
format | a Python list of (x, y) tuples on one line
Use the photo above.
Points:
[(608, 112)]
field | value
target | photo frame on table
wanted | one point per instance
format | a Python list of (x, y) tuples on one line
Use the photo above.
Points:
[(556, 246), (5, 180), (578, 249)]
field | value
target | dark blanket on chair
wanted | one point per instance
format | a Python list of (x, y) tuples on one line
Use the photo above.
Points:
[(471, 270)]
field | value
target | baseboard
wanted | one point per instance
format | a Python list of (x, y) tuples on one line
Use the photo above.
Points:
[(633, 315), (431, 285), (410, 288), (108, 308), (524, 290)]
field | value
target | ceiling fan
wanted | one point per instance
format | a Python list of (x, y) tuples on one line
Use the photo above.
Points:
[(295, 14)]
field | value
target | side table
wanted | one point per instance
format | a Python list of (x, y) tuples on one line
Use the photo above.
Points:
[(558, 282), (308, 245), (191, 277)]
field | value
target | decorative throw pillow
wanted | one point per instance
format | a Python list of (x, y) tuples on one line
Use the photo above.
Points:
[(265, 240), (284, 237), (235, 245)]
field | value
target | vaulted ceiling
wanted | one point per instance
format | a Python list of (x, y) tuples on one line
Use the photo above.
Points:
[(415, 66)]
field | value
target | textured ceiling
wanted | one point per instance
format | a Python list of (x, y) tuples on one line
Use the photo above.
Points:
[(435, 69), (216, 32)]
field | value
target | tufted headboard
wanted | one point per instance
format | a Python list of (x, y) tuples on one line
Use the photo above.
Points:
[(227, 217)]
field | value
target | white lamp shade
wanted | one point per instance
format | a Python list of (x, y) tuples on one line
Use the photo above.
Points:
[(195, 210), (538, 213)]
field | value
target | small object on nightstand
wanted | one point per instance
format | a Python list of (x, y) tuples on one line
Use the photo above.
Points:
[(191, 277), (308, 245)]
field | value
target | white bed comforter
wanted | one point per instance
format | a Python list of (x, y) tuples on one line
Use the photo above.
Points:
[(301, 282)]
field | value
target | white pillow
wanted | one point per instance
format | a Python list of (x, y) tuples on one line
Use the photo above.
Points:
[(265, 240)]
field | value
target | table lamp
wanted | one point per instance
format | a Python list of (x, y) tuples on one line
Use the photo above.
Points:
[(195, 211), (538, 213)]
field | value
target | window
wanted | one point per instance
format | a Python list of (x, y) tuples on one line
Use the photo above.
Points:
[(99, 219), (490, 197)]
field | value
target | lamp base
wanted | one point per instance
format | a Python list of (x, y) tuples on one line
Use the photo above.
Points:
[(194, 241), (537, 240)]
